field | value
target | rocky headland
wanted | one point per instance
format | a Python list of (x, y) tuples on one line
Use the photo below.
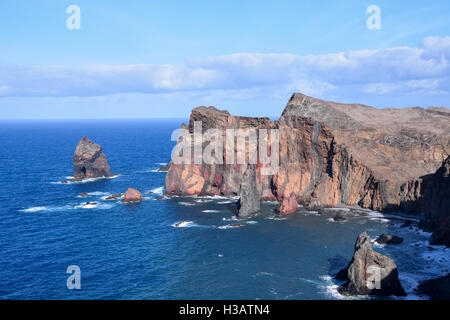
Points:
[(334, 154)]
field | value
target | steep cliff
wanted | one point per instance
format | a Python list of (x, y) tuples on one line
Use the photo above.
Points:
[(328, 154)]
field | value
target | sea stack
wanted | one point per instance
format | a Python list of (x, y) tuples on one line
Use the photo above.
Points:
[(89, 161), (370, 273), (249, 198)]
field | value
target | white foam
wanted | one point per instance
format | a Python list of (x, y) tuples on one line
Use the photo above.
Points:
[(84, 180), (210, 211), (183, 224), (34, 209), (224, 202), (231, 226), (158, 190), (330, 289), (337, 209), (87, 205), (188, 204), (96, 193), (203, 200), (68, 207)]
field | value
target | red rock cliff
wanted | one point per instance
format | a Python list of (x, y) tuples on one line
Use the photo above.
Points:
[(329, 154)]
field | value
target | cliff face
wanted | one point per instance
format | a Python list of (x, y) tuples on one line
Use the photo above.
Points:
[(329, 154)]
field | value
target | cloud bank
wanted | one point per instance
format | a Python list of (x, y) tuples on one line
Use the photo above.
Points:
[(399, 70)]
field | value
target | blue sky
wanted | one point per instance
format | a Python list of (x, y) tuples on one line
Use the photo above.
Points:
[(144, 59)]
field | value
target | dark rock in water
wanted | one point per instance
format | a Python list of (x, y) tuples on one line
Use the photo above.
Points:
[(289, 205), (83, 195), (235, 225), (132, 195), (114, 196), (89, 161), (164, 168), (436, 289), (370, 273), (249, 198), (159, 198), (388, 239), (150, 192), (64, 182), (339, 217)]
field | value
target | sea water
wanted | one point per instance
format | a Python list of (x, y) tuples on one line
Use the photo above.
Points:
[(177, 248)]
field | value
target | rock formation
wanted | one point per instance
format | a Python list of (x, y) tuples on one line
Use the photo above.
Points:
[(388, 239), (434, 190), (370, 273), (89, 161), (249, 199), (132, 195), (288, 205), (329, 154)]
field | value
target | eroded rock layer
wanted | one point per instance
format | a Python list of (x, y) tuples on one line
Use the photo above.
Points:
[(329, 154)]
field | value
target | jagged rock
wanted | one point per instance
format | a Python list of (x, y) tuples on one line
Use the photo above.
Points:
[(288, 205), (249, 199), (388, 239), (89, 161), (132, 195), (370, 273)]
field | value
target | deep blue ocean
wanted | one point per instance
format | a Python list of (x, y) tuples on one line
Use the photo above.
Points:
[(136, 251)]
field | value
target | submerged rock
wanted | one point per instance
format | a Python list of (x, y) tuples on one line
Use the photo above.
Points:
[(132, 195), (89, 161), (114, 196), (388, 239), (249, 198), (288, 205), (370, 273), (83, 195)]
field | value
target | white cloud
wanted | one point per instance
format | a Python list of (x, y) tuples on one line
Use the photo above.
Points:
[(377, 72)]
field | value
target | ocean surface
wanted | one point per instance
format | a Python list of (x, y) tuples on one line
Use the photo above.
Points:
[(178, 248)]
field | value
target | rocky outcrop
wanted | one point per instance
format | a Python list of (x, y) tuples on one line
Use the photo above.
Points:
[(89, 161), (370, 273), (388, 239), (132, 195), (329, 154), (249, 202), (288, 205), (436, 203)]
